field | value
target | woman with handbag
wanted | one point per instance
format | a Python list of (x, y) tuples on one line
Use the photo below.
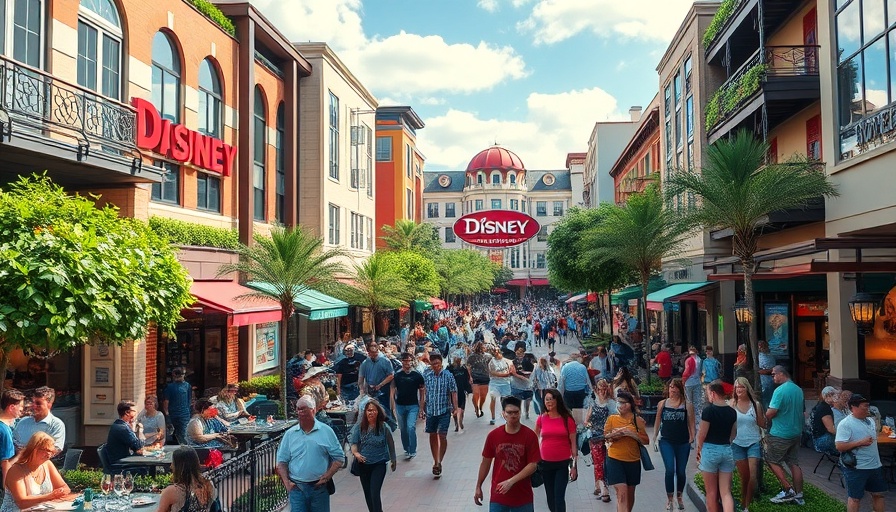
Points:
[(189, 490), (674, 435), (718, 427), (626, 433), (372, 447), (604, 405), (556, 431), (745, 447)]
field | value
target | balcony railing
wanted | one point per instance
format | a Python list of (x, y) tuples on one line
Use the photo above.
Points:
[(792, 60), (735, 91), (718, 23), (36, 99)]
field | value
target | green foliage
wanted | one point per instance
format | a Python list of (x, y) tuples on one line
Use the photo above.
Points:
[(268, 385), (816, 499), (147, 483), (651, 387), (569, 266), (213, 13), (188, 233), (596, 340), (378, 286), (726, 10), (407, 235), (80, 479), (72, 273), (269, 493), (732, 95), (713, 109), (416, 269), (502, 275), (466, 271)]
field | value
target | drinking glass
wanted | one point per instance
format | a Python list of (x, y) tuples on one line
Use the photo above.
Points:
[(128, 484), (118, 485), (106, 485)]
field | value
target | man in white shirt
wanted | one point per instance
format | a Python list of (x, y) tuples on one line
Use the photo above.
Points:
[(857, 433), (41, 419)]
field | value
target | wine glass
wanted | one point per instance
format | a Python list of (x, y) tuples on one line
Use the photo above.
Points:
[(106, 485), (118, 485), (128, 484)]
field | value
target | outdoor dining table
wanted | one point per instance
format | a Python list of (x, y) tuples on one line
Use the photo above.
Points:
[(884, 440), (151, 461), (248, 432)]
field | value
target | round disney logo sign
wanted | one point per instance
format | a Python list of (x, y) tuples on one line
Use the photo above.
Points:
[(496, 228)]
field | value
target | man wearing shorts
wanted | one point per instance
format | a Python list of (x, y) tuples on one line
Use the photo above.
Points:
[(439, 404), (786, 415), (575, 386), (858, 433)]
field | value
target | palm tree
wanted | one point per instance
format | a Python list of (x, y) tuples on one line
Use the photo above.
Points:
[(291, 260), (639, 236), (407, 235), (377, 287), (737, 190)]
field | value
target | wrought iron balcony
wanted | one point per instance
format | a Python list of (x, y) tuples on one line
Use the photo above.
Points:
[(791, 60), (39, 101)]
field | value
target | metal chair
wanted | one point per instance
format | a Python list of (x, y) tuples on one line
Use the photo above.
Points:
[(104, 460), (72, 459)]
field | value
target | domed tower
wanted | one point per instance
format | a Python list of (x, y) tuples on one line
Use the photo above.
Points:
[(495, 166)]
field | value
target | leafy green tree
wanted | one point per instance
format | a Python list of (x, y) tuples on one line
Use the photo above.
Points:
[(464, 271), (737, 190), (502, 274), (291, 260), (569, 266), (377, 287), (415, 269), (407, 235), (638, 235), (72, 273)]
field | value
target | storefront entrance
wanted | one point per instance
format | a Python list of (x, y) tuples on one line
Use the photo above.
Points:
[(198, 346)]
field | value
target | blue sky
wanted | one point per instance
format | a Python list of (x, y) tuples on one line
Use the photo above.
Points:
[(533, 75)]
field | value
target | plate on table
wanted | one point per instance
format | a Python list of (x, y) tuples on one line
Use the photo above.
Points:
[(141, 502), (62, 506)]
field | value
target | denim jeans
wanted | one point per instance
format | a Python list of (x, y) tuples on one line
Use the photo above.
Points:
[(180, 429), (407, 423), (538, 400), (372, 476), (350, 392), (307, 498), (495, 507), (556, 477), (695, 397), (675, 458)]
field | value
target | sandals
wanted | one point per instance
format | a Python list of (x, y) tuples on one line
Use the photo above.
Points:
[(680, 503), (605, 498), (669, 505), (437, 470)]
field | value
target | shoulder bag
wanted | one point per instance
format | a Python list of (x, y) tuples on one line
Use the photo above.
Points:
[(848, 459), (645, 455)]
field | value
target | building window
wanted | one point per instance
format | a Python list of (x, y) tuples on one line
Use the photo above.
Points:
[(333, 224), (813, 138), (210, 100), (165, 78), (667, 94), (449, 210), (543, 234), (384, 149), (539, 260), (668, 136), (676, 85), (515, 257), (334, 136), (479, 179), (515, 204), (169, 190), (541, 208), (687, 75), (369, 234), (496, 204), (22, 27), (369, 148), (678, 130), (496, 179), (258, 154), (99, 47), (450, 237), (280, 163), (408, 161), (409, 196), (689, 117), (523, 206), (356, 237), (513, 179), (558, 208), (479, 205), (432, 210), (208, 192)]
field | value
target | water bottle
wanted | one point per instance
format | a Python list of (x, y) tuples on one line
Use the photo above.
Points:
[(88, 499)]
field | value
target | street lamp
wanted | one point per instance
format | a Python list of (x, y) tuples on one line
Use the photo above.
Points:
[(742, 314), (862, 308)]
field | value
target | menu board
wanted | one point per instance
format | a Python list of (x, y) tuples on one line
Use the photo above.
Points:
[(103, 383)]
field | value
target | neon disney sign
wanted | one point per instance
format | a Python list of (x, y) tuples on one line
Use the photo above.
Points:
[(496, 228), (180, 143)]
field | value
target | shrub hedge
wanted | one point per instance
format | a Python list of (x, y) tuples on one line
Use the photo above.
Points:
[(213, 13), (188, 233), (816, 499)]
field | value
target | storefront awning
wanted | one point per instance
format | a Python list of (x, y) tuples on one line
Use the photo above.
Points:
[(534, 281), (422, 305), (317, 305), (634, 291), (576, 298), (228, 298), (438, 303), (668, 294)]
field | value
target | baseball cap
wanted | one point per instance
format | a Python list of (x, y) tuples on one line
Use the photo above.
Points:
[(856, 400)]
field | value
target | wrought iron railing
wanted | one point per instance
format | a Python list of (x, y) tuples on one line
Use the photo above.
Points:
[(792, 60), (36, 99), (734, 92), (248, 482)]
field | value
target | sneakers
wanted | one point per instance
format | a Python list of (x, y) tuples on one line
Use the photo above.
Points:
[(411, 456), (785, 496), (798, 499), (491, 422)]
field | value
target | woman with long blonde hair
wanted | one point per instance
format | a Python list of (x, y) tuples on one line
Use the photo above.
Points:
[(745, 446), (33, 479)]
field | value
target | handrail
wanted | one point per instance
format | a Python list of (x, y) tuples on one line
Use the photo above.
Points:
[(799, 60), (735, 90), (39, 100)]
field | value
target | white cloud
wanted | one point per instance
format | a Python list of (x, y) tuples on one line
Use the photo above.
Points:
[(553, 21), (877, 97), (556, 124), (336, 22), (488, 5)]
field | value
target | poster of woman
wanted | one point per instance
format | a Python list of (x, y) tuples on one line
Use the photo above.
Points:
[(880, 345), (777, 329)]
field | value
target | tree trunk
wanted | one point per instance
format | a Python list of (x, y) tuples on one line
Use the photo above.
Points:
[(643, 313), (749, 269), (284, 333)]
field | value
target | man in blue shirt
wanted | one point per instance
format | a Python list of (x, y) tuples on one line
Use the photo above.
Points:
[(439, 404), (375, 376), (712, 368), (786, 414), (11, 404), (575, 386), (176, 401), (307, 458), (122, 439)]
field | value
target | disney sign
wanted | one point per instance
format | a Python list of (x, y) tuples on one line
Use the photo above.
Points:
[(496, 228)]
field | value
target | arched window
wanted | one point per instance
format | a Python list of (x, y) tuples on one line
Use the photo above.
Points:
[(165, 77), (513, 179), (281, 163), (99, 47), (210, 101), (22, 31), (496, 178), (259, 150), (479, 179)]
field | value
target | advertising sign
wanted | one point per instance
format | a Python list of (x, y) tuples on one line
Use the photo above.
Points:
[(777, 329), (178, 142), (496, 228), (267, 345)]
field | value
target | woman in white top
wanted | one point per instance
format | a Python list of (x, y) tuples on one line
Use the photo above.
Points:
[(745, 446), (230, 407), (33, 479), (153, 421), (500, 370)]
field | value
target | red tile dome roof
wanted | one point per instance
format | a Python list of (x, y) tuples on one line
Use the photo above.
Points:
[(496, 157)]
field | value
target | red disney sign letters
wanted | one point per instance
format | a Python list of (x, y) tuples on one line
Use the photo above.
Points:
[(496, 228)]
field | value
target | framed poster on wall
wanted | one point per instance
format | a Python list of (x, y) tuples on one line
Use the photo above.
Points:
[(102, 384), (267, 346), (777, 328)]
